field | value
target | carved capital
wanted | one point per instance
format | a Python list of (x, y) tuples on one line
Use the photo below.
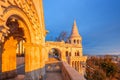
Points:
[(3, 32)]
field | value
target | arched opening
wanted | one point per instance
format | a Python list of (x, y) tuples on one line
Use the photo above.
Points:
[(31, 36), (74, 41), (66, 53), (12, 43), (54, 54), (78, 54), (69, 53), (13, 54)]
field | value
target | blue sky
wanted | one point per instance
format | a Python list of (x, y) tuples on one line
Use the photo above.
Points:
[(98, 22)]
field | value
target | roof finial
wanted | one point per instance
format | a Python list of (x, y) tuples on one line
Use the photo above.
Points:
[(74, 22), (75, 32)]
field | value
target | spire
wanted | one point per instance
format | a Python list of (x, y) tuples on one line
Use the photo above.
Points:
[(74, 32), (74, 23)]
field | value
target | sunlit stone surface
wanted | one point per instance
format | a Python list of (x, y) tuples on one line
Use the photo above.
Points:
[(22, 31)]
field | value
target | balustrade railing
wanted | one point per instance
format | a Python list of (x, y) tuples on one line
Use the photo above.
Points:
[(70, 73)]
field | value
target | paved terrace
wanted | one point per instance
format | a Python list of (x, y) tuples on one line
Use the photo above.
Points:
[(55, 70), (20, 69)]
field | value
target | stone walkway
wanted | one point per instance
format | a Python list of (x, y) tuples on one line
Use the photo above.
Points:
[(21, 72), (19, 77), (54, 76)]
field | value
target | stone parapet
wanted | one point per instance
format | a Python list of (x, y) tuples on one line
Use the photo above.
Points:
[(78, 58), (70, 73)]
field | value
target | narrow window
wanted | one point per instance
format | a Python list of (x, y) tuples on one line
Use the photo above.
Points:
[(66, 53), (74, 41)]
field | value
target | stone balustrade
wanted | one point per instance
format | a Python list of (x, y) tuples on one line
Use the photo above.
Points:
[(64, 69), (78, 58), (70, 73)]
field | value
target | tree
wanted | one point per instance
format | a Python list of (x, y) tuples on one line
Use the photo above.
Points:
[(62, 36), (99, 68), (99, 75), (109, 67)]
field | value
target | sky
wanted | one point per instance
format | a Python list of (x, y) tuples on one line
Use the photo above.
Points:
[(98, 22)]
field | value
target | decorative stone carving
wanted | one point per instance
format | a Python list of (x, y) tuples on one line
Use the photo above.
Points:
[(27, 7)]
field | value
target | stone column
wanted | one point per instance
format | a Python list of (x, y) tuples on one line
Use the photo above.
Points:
[(32, 62), (73, 64), (70, 63), (79, 67), (63, 57), (42, 62), (46, 54), (9, 59)]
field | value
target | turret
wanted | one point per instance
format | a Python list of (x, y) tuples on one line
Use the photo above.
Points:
[(75, 37)]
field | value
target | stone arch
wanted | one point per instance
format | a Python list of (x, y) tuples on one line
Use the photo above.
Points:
[(18, 13), (58, 52), (30, 39)]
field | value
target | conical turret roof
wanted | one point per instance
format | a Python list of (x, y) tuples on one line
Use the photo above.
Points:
[(75, 33)]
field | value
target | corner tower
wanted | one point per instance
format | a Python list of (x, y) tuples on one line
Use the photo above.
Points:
[(75, 37)]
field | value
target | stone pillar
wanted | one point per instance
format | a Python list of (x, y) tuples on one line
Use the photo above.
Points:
[(9, 59), (21, 47), (42, 62), (0, 60), (70, 62), (80, 67), (46, 53), (74, 64), (32, 62), (63, 56)]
